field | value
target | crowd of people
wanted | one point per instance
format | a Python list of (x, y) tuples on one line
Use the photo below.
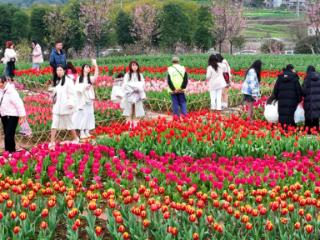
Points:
[(73, 94)]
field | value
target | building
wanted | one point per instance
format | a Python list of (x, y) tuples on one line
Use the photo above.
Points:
[(293, 4)]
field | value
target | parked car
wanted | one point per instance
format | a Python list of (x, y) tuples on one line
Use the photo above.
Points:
[(288, 52), (246, 52), (110, 51)]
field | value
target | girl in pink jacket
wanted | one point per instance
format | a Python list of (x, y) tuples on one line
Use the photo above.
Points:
[(37, 57), (12, 111)]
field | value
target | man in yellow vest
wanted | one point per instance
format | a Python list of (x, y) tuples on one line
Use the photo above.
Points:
[(177, 81)]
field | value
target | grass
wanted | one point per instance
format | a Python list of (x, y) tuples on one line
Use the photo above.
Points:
[(266, 31), (278, 26), (271, 14)]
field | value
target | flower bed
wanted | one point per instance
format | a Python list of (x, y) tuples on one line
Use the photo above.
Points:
[(97, 192)]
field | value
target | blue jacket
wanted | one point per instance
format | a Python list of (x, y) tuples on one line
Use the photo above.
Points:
[(58, 59), (251, 84)]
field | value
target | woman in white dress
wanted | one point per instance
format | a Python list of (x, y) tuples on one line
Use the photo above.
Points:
[(134, 94), (64, 106), (227, 77), (216, 82), (83, 119)]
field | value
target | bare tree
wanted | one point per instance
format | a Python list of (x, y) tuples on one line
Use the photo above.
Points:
[(144, 24), (229, 20), (94, 17)]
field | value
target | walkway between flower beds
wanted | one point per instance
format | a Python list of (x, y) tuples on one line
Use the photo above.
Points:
[(149, 115)]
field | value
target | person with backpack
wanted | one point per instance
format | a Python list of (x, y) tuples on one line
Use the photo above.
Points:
[(311, 103), (177, 81)]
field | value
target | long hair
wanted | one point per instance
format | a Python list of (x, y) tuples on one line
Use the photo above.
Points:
[(71, 67), (256, 65), (219, 57), (34, 42), (213, 62), (82, 74), (63, 79), (131, 71), (3, 79)]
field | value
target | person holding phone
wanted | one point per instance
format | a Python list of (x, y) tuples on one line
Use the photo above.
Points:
[(12, 112), (64, 106), (83, 119)]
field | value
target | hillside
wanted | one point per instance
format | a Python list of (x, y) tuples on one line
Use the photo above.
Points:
[(27, 3)]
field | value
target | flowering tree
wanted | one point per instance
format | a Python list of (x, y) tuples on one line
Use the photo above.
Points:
[(313, 13), (57, 25), (144, 24), (229, 20), (94, 17)]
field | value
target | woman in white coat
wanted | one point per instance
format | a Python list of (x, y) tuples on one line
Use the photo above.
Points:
[(134, 94), (216, 82), (227, 77), (9, 59), (64, 106), (12, 111), (83, 119)]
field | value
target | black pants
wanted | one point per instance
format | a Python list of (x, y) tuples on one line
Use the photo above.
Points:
[(312, 123), (54, 74), (9, 127)]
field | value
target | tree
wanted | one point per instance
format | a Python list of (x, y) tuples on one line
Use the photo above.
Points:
[(308, 45), (57, 24), (239, 42), (174, 27), (144, 24), (20, 26), (229, 20), (313, 14), (75, 37), (38, 26), (203, 37), (272, 46), (6, 12), (123, 26), (94, 17)]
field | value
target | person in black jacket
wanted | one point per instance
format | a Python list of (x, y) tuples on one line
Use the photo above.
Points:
[(57, 58), (287, 91), (311, 93)]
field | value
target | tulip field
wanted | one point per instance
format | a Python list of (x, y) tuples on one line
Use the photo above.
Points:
[(205, 176)]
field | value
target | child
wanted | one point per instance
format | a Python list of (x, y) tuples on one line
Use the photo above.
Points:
[(117, 92)]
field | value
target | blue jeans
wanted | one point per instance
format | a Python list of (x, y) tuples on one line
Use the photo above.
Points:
[(36, 66), (179, 101)]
